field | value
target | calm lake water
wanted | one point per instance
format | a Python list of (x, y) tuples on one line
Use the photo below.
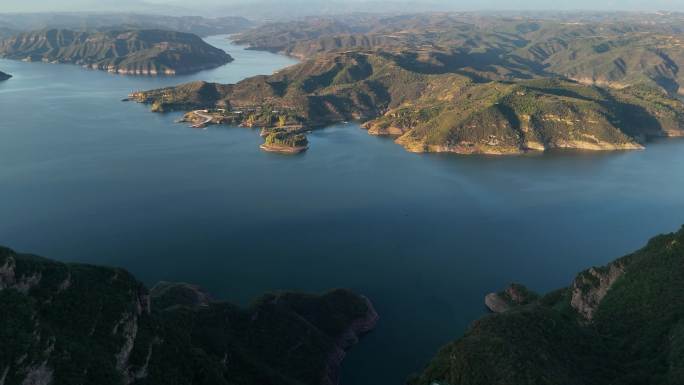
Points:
[(87, 178)]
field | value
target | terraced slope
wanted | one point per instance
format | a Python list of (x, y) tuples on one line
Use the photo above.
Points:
[(135, 52)]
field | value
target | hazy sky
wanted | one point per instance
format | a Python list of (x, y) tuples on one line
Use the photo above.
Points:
[(413, 5)]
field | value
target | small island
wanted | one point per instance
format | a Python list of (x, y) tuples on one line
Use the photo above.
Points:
[(4, 76), (285, 142)]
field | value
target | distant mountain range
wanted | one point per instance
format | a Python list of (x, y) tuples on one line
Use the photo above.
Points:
[(136, 52), (615, 50), (11, 24)]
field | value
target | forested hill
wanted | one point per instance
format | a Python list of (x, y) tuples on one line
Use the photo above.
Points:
[(134, 52), (81, 324), (618, 324)]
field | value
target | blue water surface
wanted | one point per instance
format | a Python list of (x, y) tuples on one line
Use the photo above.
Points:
[(85, 177)]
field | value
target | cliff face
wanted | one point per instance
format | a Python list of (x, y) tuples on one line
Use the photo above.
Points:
[(618, 324), (4, 76), (430, 110), (80, 324), (135, 52)]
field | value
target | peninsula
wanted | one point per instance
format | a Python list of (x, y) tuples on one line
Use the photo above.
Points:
[(432, 110), (4, 76), (129, 52)]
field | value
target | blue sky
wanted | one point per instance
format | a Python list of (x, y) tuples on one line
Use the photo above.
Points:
[(413, 5)]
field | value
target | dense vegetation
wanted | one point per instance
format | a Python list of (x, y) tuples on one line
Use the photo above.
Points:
[(79, 324), (145, 52), (620, 324), (279, 137)]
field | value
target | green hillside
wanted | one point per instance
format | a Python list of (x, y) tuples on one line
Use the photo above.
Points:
[(500, 118), (435, 107), (80, 324), (618, 324)]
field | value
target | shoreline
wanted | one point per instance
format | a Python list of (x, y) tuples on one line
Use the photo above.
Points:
[(283, 149)]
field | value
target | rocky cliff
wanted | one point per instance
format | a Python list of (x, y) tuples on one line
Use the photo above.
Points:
[(81, 324), (132, 52), (618, 324), (4, 76)]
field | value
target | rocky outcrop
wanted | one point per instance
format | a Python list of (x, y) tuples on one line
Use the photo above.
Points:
[(4, 76), (348, 339), (379, 129), (496, 303), (591, 286), (10, 280), (514, 295)]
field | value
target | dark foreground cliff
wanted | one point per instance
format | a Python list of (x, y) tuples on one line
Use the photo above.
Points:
[(618, 324), (130, 52), (4, 76), (80, 324)]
